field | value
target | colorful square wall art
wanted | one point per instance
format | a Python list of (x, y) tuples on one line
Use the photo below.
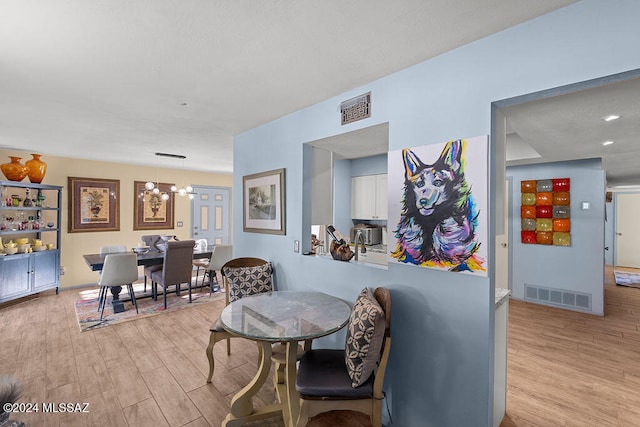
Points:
[(438, 206), (545, 212)]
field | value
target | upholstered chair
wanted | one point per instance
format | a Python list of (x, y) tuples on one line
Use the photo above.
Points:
[(241, 277), (350, 378), (176, 268), (120, 269)]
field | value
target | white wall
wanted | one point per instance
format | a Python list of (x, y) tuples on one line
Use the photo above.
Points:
[(441, 366), (576, 268)]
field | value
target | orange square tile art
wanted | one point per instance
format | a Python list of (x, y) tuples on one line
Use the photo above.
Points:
[(545, 212)]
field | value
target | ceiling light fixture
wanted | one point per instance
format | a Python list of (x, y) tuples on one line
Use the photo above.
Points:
[(610, 117), (607, 143), (182, 191)]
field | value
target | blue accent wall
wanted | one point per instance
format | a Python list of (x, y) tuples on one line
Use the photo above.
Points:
[(576, 268), (441, 366)]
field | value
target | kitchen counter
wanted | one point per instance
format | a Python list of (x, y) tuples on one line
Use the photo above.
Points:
[(501, 296)]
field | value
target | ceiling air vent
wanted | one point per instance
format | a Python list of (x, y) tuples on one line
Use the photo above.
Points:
[(355, 109)]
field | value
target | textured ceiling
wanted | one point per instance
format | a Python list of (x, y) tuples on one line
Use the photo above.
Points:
[(119, 80)]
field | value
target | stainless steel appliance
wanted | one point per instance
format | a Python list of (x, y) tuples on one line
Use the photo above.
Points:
[(371, 235)]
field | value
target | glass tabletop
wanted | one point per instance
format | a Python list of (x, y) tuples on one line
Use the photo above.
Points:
[(286, 316)]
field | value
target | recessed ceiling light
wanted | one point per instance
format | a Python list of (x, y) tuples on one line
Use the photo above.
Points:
[(610, 117), (607, 143)]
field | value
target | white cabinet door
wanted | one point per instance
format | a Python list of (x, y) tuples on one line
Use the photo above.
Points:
[(381, 196), (369, 197), (363, 197)]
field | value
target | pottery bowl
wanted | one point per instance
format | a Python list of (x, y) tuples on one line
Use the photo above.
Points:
[(23, 249), (10, 251), (21, 241), (38, 248)]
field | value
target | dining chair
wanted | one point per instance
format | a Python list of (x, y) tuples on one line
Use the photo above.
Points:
[(350, 378), (241, 277), (112, 249), (120, 269), (201, 245), (104, 250), (176, 268), (151, 240), (220, 256)]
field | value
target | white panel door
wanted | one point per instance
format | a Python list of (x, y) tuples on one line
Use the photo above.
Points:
[(502, 247), (627, 230), (210, 215)]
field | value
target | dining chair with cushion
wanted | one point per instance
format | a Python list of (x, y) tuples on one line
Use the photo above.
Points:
[(104, 250), (350, 378), (112, 249), (241, 277), (220, 256), (120, 269), (151, 240), (201, 245), (176, 268)]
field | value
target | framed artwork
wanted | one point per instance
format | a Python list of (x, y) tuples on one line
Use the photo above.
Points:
[(94, 204), (264, 202), (438, 206), (150, 211)]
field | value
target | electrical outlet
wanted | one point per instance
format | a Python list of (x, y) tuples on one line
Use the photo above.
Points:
[(62, 270), (296, 246)]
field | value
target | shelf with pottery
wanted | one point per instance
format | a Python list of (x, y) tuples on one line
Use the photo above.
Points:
[(30, 236)]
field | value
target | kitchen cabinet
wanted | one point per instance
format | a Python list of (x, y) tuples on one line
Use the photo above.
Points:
[(369, 197), (23, 274)]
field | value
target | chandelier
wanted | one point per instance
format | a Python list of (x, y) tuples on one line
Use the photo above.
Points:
[(182, 191)]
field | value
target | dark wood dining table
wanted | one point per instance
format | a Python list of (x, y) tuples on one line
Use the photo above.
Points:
[(96, 263)]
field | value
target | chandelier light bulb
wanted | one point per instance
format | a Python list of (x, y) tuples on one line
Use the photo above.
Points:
[(189, 189), (182, 192), (191, 196), (164, 197), (174, 188), (156, 190), (149, 185)]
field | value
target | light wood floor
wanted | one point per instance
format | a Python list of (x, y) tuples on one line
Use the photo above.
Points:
[(572, 369), (564, 368), (146, 372)]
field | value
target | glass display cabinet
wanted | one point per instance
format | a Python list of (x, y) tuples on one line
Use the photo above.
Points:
[(30, 227)]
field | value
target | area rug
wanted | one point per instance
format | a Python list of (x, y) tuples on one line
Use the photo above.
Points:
[(89, 317), (624, 278)]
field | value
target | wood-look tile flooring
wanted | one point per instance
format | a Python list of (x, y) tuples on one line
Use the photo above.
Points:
[(564, 368), (571, 369), (145, 372)]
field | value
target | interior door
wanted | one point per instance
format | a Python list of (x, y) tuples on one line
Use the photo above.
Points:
[(210, 215), (502, 247), (627, 230)]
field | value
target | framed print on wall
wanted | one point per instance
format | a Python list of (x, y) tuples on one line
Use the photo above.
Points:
[(264, 202), (150, 211), (94, 204)]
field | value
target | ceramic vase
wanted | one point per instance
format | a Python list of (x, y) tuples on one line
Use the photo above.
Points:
[(37, 169), (14, 171)]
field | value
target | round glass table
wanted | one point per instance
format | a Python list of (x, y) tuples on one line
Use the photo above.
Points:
[(279, 317)]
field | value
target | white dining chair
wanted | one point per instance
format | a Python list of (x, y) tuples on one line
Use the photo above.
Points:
[(120, 269)]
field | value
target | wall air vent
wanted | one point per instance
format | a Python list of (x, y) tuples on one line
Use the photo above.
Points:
[(558, 297), (355, 109)]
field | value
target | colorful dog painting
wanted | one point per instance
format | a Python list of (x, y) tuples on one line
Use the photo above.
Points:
[(439, 216)]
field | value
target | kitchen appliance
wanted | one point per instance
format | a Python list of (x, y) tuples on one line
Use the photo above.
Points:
[(371, 235)]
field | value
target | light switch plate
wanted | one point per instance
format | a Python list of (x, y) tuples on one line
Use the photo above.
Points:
[(586, 206), (296, 246)]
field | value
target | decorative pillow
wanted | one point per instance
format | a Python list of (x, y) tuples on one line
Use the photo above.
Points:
[(365, 335), (245, 281)]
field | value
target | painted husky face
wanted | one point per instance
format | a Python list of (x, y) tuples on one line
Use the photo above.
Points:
[(433, 185)]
